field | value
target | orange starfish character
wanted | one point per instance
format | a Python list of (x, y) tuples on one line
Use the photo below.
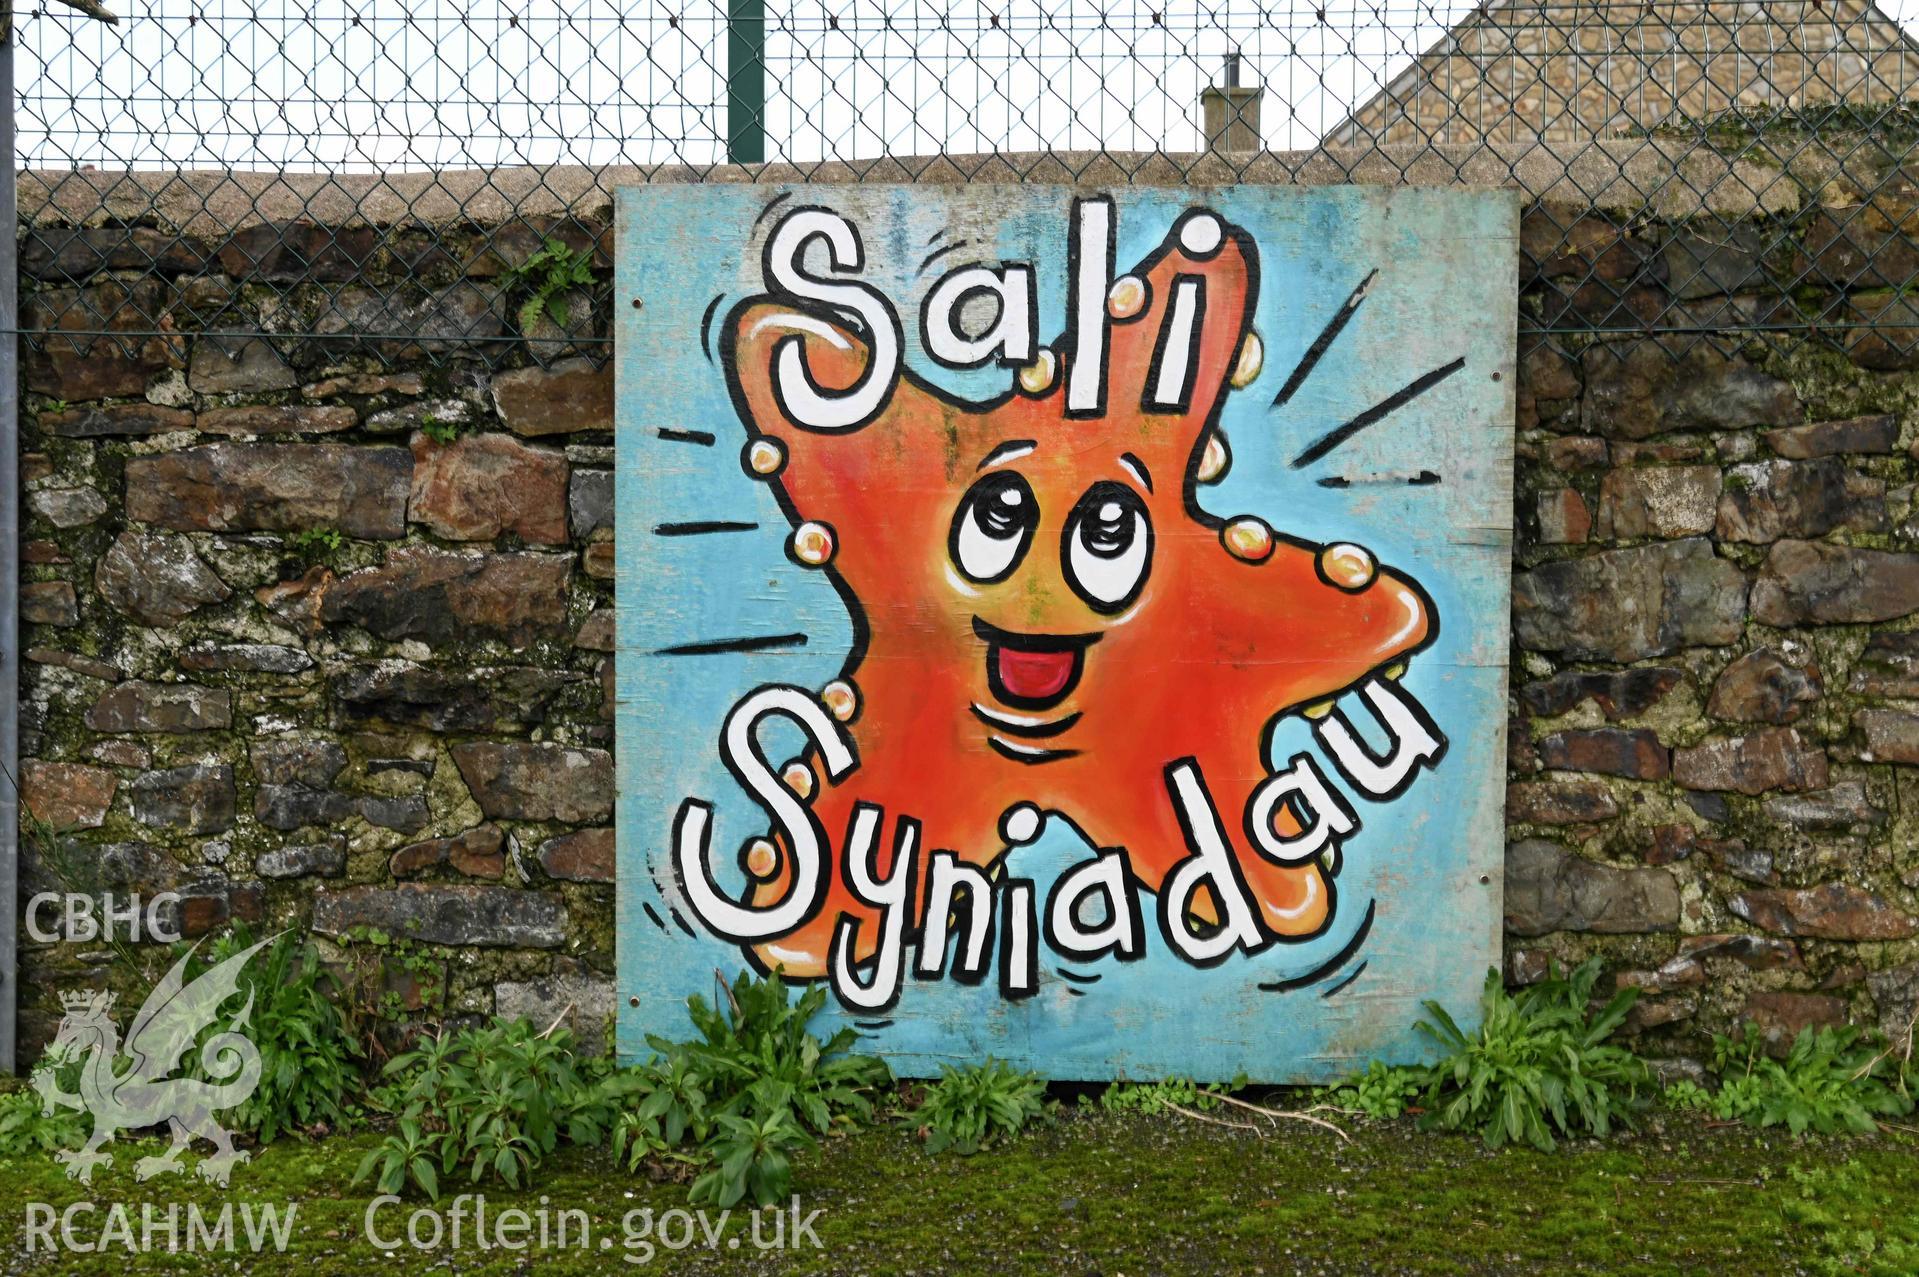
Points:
[(1043, 613)]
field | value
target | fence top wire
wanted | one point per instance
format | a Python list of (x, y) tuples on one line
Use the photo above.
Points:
[(1719, 166)]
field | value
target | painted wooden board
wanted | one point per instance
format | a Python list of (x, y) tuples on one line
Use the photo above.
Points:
[(1072, 624)]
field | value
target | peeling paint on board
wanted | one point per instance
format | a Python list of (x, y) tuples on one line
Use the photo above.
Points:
[(1072, 624)]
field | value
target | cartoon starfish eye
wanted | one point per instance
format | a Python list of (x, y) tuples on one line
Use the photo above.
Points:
[(993, 526), (1108, 547)]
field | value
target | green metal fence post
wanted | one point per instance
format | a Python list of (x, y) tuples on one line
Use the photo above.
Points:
[(745, 81)]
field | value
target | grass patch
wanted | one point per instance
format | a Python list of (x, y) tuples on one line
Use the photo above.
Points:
[(1137, 1194)]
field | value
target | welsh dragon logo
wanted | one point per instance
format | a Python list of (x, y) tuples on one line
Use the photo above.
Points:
[(142, 1094)]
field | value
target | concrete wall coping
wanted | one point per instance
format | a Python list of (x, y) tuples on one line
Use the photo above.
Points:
[(1672, 179)]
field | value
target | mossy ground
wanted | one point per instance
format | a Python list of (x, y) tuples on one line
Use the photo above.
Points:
[(1136, 1195)]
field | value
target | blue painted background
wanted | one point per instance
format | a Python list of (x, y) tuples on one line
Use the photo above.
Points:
[(1446, 288)]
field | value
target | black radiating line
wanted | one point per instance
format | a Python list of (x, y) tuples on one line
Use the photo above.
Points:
[(681, 922), (1327, 335), (1076, 977), (1331, 964), (1390, 404), (935, 237), (701, 437), (1357, 972), (931, 258), (1423, 479), (654, 914), (771, 205), (874, 1024), (701, 529), (706, 324), (714, 647)]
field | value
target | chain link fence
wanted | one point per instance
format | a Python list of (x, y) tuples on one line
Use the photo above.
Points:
[(244, 170)]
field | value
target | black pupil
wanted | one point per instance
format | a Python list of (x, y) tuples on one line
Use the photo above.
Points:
[(1108, 520), (1001, 509), (1108, 530)]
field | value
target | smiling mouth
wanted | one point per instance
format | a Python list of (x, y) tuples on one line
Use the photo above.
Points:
[(1031, 671)]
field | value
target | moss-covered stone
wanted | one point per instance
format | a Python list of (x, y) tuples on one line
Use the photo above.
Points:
[(1122, 1194)]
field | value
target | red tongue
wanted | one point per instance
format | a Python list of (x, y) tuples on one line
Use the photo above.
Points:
[(1034, 675)]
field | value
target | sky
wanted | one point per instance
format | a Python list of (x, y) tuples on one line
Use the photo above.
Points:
[(338, 85), (358, 85)]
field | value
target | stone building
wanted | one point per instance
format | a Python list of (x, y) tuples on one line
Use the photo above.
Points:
[(1565, 70)]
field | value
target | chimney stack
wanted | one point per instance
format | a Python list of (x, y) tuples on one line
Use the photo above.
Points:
[(1231, 113)]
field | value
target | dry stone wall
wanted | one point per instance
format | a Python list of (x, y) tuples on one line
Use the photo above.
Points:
[(322, 637), (1716, 572)]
